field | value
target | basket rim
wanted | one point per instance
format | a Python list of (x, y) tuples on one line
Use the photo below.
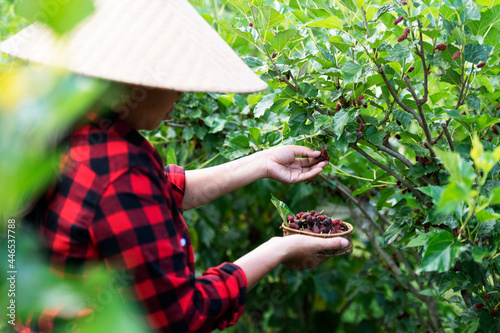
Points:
[(350, 230)]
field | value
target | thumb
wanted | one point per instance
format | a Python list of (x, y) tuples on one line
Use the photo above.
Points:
[(336, 243)]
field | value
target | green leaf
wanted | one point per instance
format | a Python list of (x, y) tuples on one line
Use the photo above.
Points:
[(267, 18), (236, 144), (340, 119), (479, 252), (485, 215), (332, 22), (399, 53), (216, 122), (283, 38), (495, 196), (421, 240), (404, 117), (171, 158), (282, 208), (453, 195), (307, 90), (255, 133), (460, 170), (488, 323), (441, 253), (390, 8), (435, 192), (470, 12), (339, 43), (375, 135), (393, 231), (475, 53), (226, 25), (430, 292), (352, 72), (265, 103), (241, 5), (451, 77), (361, 189), (61, 16)]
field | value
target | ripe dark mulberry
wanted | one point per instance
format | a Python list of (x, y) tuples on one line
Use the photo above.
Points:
[(479, 305), (494, 313), (398, 136), (324, 156), (481, 64), (411, 69), (273, 55)]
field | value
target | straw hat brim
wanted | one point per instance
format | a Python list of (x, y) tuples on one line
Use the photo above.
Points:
[(154, 43)]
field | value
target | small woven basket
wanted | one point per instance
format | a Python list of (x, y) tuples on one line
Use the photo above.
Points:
[(327, 253)]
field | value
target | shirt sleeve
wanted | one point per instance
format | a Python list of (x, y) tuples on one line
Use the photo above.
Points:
[(177, 177), (135, 229)]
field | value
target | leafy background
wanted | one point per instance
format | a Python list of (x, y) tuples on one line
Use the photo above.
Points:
[(411, 131)]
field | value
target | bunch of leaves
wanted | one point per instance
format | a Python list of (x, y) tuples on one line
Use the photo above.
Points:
[(410, 124)]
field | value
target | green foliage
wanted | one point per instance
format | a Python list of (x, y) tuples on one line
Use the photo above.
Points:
[(417, 152), (412, 134)]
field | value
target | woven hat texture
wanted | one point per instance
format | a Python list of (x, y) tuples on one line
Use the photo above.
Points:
[(155, 43)]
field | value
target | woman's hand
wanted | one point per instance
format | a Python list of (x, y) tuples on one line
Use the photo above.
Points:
[(301, 251), (294, 251), (283, 164)]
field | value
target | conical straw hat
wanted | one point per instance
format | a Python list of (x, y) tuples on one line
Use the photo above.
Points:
[(155, 43)]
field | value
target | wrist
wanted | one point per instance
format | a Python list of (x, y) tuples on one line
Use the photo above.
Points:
[(280, 247), (259, 162)]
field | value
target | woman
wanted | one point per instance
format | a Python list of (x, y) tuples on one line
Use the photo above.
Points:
[(115, 202)]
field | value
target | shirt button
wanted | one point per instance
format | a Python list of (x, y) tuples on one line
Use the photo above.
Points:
[(183, 242)]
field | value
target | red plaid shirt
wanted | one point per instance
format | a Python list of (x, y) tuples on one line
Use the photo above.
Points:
[(115, 202)]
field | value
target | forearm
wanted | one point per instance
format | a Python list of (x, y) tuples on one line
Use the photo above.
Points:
[(205, 185), (262, 260)]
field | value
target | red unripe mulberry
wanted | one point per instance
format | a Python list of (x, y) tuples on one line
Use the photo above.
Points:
[(273, 55), (494, 313), (404, 3), (441, 47), (338, 107), (479, 305), (399, 19), (361, 128), (487, 296), (360, 97), (497, 108), (481, 64), (411, 69), (456, 55), (250, 24)]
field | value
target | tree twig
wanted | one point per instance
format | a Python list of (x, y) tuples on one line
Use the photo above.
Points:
[(410, 187), (396, 98)]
